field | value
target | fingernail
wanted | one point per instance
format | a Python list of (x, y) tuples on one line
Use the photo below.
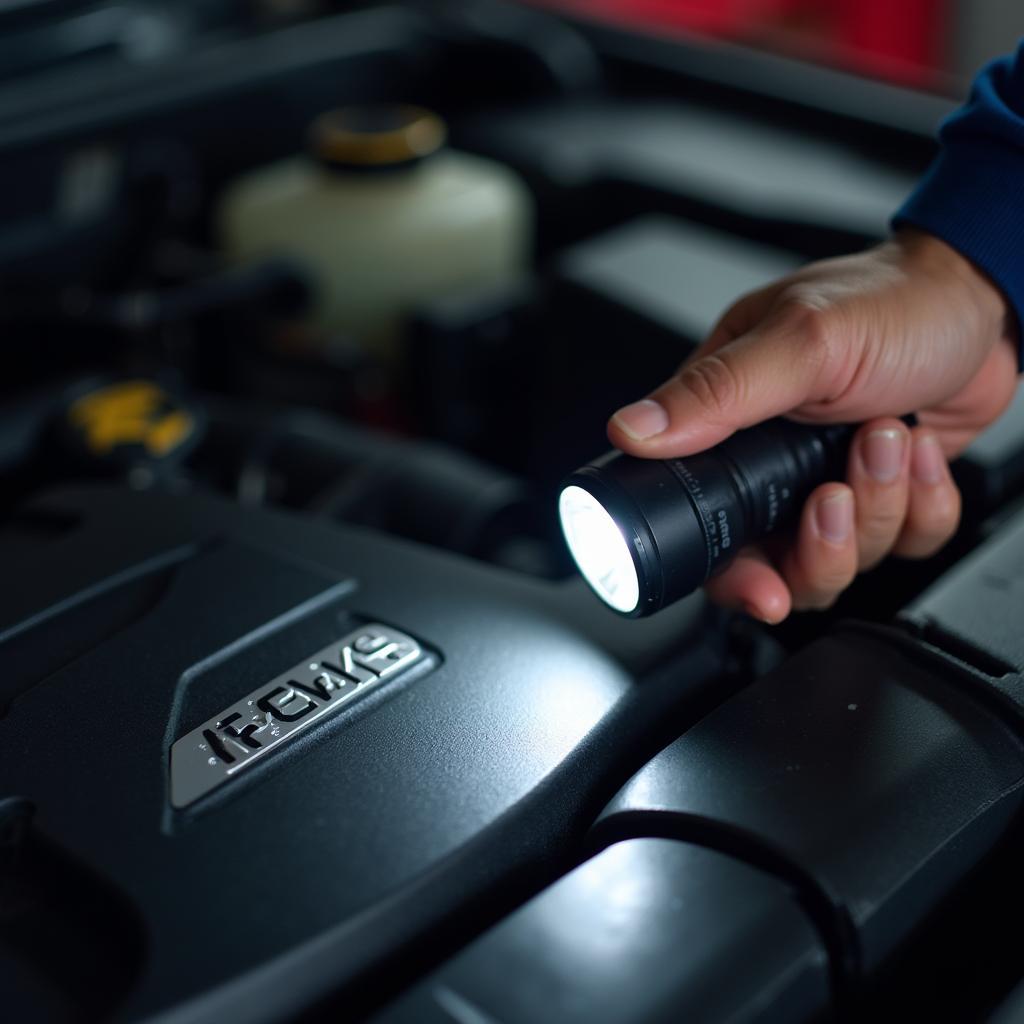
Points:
[(833, 517), (927, 463), (768, 617), (882, 452), (642, 419)]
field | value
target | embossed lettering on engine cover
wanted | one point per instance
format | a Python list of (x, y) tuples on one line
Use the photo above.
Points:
[(278, 710)]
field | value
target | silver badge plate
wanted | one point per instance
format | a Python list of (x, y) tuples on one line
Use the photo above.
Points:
[(228, 744)]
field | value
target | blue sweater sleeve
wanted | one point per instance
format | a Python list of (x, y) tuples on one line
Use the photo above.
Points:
[(973, 194)]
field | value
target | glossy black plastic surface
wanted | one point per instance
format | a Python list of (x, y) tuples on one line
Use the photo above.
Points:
[(873, 780), (992, 468), (129, 618), (649, 930), (973, 612)]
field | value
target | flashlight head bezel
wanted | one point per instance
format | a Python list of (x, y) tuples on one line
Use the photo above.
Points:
[(636, 533)]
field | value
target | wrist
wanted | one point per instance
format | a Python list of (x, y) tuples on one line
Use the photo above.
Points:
[(929, 254)]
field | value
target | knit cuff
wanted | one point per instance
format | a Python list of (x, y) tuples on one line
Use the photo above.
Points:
[(973, 199)]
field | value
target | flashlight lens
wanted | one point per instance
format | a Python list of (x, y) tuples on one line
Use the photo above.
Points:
[(599, 548)]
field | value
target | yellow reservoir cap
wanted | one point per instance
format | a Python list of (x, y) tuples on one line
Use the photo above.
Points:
[(386, 135)]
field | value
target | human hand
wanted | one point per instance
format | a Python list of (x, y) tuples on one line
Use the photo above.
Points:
[(909, 326)]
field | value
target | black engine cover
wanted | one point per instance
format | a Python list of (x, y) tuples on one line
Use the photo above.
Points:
[(129, 619)]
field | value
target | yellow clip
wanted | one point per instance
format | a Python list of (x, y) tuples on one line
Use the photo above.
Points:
[(130, 412)]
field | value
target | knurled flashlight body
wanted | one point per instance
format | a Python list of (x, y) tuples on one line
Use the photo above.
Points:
[(682, 520)]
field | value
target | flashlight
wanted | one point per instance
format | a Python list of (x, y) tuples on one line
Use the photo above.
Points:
[(646, 532)]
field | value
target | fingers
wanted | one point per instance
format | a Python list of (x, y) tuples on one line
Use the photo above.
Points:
[(822, 561), (901, 498), (811, 573), (779, 365), (753, 585), (933, 511), (879, 473)]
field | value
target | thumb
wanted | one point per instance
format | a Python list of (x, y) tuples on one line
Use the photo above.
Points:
[(764, 373)]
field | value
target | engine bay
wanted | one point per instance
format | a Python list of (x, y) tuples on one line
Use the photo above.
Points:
[(305, 712)]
